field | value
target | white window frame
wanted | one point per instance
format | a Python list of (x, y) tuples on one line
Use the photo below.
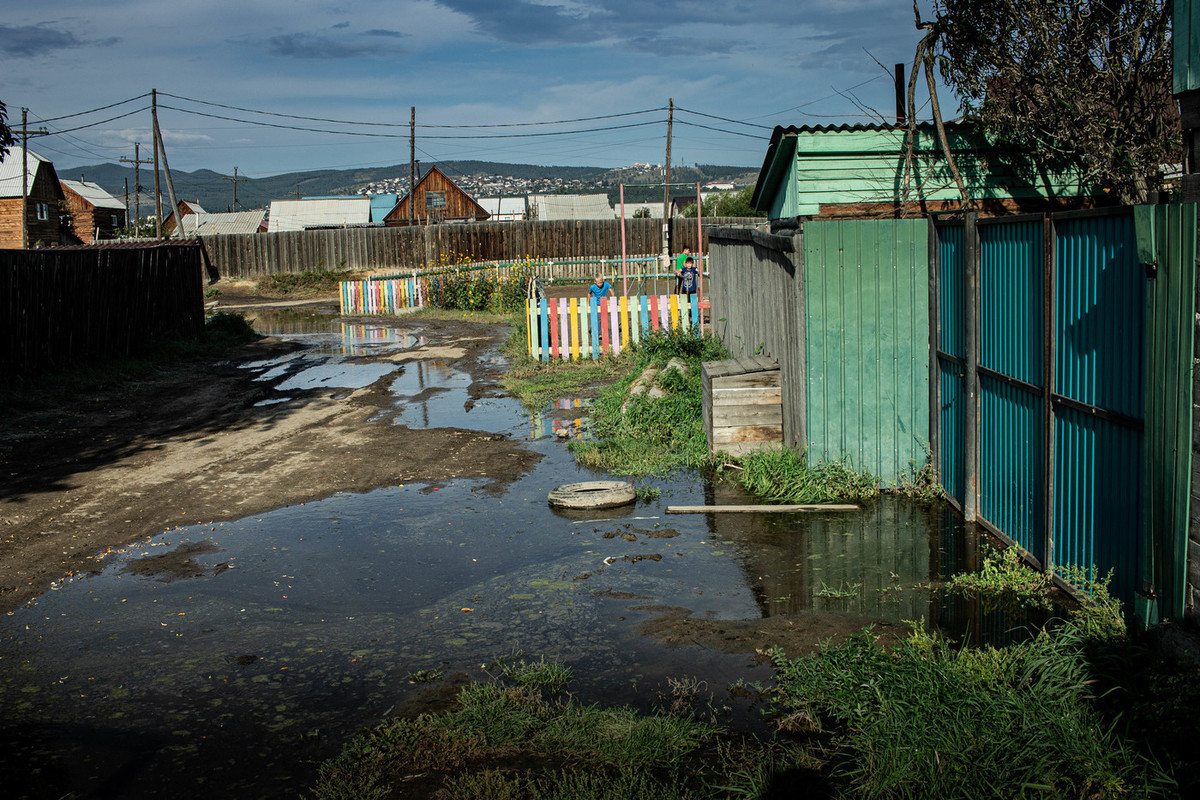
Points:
[(43, 210)]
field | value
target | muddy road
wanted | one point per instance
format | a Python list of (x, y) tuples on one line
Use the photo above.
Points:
[(206, 441)]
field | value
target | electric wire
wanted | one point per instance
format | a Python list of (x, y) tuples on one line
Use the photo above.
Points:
[(408, 124), (94, 110)]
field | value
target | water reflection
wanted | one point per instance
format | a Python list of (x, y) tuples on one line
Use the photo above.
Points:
[(565, 418)]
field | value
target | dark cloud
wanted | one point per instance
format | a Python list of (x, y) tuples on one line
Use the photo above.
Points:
[(340, 25), (528, 23), (29, 41), (385, 32), (305, 45)]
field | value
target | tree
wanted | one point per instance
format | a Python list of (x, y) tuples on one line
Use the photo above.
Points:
[(1061, 85), (725, 204), (6, 136)]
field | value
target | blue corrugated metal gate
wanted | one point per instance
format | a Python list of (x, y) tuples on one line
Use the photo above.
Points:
[(1041, 380)]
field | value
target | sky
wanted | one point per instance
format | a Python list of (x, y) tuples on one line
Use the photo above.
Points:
[(549, 82)]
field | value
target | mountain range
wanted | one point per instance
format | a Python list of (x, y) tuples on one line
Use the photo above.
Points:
[(215, 191)]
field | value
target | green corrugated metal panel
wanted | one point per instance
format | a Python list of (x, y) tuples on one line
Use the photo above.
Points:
[(1167, 242), (867, 343), (952, 341), (1185, 30), (1098, 352)]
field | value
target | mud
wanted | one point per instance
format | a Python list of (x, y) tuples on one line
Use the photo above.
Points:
[(204, 441)]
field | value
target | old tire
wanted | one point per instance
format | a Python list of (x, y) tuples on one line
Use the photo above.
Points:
[(592, 494)]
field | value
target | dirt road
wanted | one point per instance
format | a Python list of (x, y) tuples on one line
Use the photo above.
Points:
[(189, 444)]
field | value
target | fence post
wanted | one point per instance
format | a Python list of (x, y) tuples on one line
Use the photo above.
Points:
[(971, 434)]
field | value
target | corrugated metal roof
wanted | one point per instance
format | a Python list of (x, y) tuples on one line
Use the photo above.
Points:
[(506, 207), (296, 215), (381, 204), (218, 224), (544, 207), (10, 171), (94, 194)]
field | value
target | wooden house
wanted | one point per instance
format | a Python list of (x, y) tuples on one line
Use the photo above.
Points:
[(436, 199), (42, 203), (93, 213), (185, 208), (858, 171)]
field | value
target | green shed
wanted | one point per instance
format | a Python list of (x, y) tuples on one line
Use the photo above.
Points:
[(858, 171)]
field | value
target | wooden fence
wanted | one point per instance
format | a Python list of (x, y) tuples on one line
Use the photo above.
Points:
[(66, 307), (570, 328), (431, 246)]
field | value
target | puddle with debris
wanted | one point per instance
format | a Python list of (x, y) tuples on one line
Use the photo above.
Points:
[(229, 658)]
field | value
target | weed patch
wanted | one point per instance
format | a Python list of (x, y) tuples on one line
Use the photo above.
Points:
[(312, 281), (784, 476)]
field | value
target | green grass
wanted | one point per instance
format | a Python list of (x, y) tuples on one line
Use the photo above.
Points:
[(921, 719), (647, 436), (508, 739), (783, 476), (313, 281)]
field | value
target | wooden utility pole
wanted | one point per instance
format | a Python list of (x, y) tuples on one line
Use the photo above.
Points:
[(666, 223), (25, 175), (24, 179), (412, 164), (235, 180), (667, 190), (166, 166), (127, 202), (137, 162), (158, 220)]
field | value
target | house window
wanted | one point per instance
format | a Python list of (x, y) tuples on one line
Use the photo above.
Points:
[(43, 211), (435, 199), (116, 221)]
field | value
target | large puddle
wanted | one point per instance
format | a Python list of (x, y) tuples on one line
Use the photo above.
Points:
[(226, 659)]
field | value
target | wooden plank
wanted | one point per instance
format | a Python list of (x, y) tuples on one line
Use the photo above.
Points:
[(728, 416), (747, 433), (739, 397), (762, 509), (752, 380)]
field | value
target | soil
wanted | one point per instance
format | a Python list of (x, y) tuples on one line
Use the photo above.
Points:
[(188, 445)]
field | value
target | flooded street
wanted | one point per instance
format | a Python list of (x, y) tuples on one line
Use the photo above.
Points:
[(228, 658)]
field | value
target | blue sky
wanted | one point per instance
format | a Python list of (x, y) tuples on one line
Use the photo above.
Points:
[(461, 63)]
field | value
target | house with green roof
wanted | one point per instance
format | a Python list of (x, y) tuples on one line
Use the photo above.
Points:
[(846, 171)]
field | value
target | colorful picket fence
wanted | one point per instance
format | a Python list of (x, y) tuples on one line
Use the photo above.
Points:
[(570, 328), (383, 297)]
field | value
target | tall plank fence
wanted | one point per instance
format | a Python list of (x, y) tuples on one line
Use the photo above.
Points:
[(1042, 365), (67, 307), (382, 249)]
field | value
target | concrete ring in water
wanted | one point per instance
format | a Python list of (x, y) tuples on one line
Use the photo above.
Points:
[(592, 494)]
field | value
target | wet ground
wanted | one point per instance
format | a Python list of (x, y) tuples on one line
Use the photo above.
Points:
[(228, 658)]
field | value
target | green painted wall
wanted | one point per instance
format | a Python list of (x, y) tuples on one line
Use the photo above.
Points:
[(1185, 32), (1166, 239), (867, 343), (843, 166)]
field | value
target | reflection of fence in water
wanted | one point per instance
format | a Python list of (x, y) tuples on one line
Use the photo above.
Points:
[(552, 421), (359, 339)]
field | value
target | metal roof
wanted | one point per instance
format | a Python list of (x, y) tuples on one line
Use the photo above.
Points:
[(507, 207), (94, 194), (297, 215), (544, 207), (218, 224), (381, 204), (10, 171)]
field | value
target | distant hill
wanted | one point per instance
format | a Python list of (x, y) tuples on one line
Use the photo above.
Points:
[(214, 191)]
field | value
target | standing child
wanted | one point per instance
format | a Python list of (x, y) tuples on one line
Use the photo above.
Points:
[(688, 277), (599, 288), (679, 259)]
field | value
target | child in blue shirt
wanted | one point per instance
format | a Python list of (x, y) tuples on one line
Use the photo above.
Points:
[(600, 288)]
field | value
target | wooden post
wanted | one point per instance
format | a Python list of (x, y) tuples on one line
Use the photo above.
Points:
[(971, 434)]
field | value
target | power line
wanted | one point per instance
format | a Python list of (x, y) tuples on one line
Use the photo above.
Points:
[(724, 119), (101, 122), (94, 110), (722, 130), (405, 136), (404, 124)]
